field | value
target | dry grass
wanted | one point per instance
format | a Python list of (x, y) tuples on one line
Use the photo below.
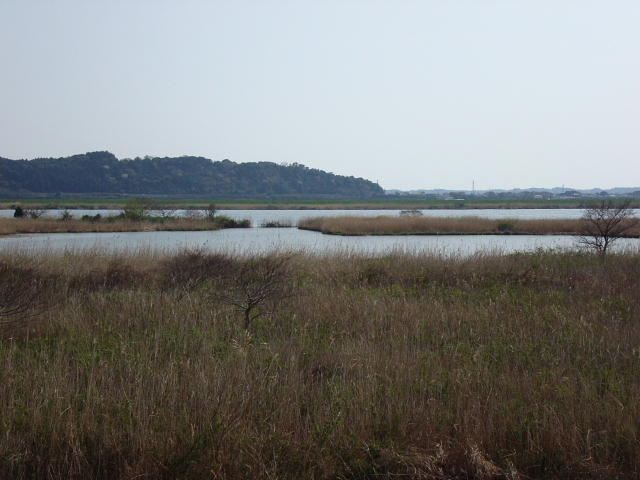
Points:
[(387, 225), (12, 226), (397, 366)]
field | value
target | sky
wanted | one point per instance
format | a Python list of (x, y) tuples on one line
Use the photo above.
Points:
[(411, 94)]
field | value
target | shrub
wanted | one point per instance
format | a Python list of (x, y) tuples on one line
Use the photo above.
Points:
[(66, 215), (227, 222), (277, 224), (91, 218), (134, 210), (505, 227)]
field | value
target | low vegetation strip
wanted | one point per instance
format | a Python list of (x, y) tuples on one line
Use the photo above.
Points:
[(90, 223), (143, 365), (423, 225), (11, 226)]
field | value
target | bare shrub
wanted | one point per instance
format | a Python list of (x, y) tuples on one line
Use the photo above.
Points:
[(164, 210), (33, 213), (256, 286), (411, 212), (193, 214)]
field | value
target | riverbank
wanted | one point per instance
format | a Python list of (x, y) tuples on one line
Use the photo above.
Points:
[(407, 225), (401, 365), (94, 224)]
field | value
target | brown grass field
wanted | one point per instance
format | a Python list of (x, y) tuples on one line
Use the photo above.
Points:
[(398, 225), (405, 365)]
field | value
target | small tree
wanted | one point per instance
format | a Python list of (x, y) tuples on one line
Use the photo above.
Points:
[(210, 211), (134, 210), (604, 223), (192, 214), (33, 213), (65, 215), (165, 210), (257, 286)]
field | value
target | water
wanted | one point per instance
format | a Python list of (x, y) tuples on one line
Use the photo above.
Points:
[(254, 240), (258, 217)]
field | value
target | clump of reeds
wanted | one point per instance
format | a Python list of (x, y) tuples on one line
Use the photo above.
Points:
[(409, 365)]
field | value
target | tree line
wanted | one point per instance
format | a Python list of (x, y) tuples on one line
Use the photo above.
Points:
[(103, 173)]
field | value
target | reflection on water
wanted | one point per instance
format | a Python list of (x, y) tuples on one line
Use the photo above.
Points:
[(252, 240)]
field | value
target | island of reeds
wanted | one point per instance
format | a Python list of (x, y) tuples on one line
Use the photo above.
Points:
[(136, 216), (467, 225), (204, 365)]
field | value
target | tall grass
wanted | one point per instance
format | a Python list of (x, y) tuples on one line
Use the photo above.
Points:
[(388, 225), (401, 365)]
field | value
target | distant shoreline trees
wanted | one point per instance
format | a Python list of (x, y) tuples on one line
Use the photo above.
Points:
[(103, 173)]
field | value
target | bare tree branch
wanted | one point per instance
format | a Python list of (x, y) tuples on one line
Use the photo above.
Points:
[(605, 222), (258, 286)]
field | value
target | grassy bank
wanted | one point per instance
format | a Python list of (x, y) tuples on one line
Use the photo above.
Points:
[(398, 225), (12, 226), (398, 366)]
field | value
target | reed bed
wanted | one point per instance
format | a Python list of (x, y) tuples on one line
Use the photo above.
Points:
[(392, 366), (12, 226), (388, 225)]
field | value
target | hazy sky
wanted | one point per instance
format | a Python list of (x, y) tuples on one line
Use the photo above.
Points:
[(412, 94)]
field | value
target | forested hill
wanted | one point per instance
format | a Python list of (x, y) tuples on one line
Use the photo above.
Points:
[(102, 173)]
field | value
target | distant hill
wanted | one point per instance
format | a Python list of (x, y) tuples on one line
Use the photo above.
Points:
[(101, 173)]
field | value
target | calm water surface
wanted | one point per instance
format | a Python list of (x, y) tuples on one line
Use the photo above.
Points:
[(258, 217), (256, 239)]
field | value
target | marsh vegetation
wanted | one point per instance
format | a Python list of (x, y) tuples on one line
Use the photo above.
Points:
[(469, 225), (135, 216), (410, 365)]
